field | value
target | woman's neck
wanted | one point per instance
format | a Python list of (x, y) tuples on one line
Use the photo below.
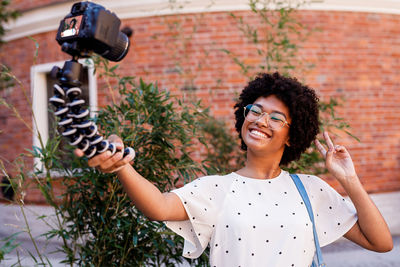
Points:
[(265, 167)]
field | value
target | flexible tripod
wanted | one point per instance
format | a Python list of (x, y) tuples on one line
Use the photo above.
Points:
[(73, 122)]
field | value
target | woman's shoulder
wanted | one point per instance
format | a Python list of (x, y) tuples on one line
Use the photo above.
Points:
[(208, 180), (318, 188), (210, 185), (312, 181), (225, 178), (308, 177)]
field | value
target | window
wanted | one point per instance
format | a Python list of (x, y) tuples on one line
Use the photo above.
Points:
[(42, 89)]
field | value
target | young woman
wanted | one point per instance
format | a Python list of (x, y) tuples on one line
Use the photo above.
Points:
[(255, 216)]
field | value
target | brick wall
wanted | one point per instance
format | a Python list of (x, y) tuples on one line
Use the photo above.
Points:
[(356, 57)]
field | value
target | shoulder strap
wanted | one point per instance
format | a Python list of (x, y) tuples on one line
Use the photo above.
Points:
[(304, 196)]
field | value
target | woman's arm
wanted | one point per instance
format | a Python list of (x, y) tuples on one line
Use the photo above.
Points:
[(145, 196), (371, 230)]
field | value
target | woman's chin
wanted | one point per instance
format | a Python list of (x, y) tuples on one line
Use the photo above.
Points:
[(258, 145), (256, 141)]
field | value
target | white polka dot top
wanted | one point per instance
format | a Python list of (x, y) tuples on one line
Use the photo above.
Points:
[(255, 222)]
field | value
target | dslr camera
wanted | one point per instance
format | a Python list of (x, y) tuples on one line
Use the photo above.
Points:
[(91, 28)]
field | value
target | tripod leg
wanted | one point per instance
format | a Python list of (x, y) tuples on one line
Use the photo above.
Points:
[(73, 116)]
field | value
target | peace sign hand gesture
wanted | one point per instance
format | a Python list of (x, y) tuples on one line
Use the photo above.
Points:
[(371, 230), (337, 160)]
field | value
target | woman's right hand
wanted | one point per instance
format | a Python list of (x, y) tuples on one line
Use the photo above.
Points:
[(106, 162)]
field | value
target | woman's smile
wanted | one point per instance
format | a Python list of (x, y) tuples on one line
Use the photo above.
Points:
[(258, 134)]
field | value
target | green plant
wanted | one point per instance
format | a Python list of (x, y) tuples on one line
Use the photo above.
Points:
[(6, 15), (20, 180), (98, 222), (94, 215), (179, 44), (9, 245), (222, 147), (19, 184), (276, 38), (5, 80)]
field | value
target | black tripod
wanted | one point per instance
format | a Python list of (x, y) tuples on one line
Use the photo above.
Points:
[(73, 122)]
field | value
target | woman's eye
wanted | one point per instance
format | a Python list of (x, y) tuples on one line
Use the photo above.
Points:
[(256, 112), (276, 118)]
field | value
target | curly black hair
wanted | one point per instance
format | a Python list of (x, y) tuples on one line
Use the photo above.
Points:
[(301, 101)]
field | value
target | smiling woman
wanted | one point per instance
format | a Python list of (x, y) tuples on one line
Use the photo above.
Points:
[(267, 137), (255, 216), (297, 102)]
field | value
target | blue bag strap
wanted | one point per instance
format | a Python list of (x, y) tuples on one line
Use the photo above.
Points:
[(304, 196)]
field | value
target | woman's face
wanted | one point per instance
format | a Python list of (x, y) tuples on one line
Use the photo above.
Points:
[(258, 136)]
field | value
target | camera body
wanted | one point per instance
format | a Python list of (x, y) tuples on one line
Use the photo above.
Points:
[(88, 28)]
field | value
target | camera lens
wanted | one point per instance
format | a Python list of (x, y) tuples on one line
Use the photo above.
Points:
[(120, 49)]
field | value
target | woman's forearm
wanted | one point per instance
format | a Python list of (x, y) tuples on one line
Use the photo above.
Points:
[(146, 197), (372, 224)]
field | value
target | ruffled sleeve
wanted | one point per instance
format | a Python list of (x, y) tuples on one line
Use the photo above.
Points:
[(202, 200), (333, 214)]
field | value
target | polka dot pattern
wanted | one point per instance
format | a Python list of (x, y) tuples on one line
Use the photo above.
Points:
[(266, 218)]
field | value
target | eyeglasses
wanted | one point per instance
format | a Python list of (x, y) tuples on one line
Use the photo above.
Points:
[(275, 120)]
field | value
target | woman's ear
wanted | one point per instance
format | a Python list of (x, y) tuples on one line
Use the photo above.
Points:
[(287, 143)]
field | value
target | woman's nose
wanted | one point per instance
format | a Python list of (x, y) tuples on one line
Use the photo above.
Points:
[(263, 119)]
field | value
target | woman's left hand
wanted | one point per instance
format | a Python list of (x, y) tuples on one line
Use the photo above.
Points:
[(337, 160), (371, 230)]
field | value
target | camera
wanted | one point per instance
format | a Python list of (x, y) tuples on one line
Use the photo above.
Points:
[(91, 28)]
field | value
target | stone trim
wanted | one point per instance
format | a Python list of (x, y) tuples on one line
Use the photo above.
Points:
[(45, 19)]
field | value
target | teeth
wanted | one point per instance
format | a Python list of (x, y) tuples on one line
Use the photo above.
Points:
[(258, 133)]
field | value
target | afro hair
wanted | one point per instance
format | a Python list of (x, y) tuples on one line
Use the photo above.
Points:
[(301, 101)]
